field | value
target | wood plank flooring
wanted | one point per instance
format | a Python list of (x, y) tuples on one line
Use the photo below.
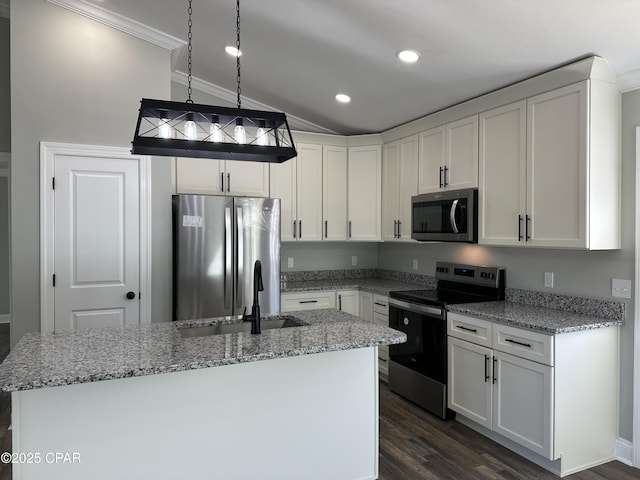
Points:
[(414, 445)]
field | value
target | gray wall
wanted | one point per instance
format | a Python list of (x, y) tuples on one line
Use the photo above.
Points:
[(576, 272), (82, 83), (5, 92), (327, 255), (4, 245)]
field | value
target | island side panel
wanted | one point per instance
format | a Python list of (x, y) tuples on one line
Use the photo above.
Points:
[(312, 416)]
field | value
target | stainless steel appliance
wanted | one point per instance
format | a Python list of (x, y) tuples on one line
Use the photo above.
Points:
[(418, 368), (216, 241), (450, 216)]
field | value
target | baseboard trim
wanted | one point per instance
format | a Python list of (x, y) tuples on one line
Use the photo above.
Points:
[(5, 318), (624, 451)]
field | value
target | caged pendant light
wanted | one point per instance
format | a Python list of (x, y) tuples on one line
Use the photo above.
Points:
[(189, 129)]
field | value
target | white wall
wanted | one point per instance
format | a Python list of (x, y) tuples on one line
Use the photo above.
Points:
[(5, 92), (75, 80)]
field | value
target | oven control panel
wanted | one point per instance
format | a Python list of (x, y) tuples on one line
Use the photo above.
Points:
[(471, 274)]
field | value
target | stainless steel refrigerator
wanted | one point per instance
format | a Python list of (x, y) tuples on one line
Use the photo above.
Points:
[(216, 241)]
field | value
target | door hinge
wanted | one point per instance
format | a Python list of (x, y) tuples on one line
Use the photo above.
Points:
[(53, 183), (54, 279)]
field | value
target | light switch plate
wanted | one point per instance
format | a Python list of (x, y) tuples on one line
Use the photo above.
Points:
[(354, 260), (290, 262), (620, 288), (548, 279), (415, 263)]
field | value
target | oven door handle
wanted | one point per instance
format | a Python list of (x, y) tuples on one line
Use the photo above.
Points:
[(452, 215), (415, 307)]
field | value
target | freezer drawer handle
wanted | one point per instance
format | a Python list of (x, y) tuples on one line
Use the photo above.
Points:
[(518, 343)]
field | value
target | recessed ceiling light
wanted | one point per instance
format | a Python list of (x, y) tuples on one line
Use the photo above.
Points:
[(233, 51), (408, 56), (342, 98)]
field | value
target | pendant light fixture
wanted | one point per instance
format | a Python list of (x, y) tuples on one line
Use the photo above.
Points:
[(188, 129)]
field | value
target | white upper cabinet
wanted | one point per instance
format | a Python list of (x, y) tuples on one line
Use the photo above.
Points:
[(334, 193), (550, 170), (298, 183), (448, 156), (364, 193), (502, 175), (205, 176), (400, 183)]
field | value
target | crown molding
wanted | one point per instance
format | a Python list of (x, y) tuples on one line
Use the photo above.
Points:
[(4, 9), (120, 22), (628, 81), (295, 123)]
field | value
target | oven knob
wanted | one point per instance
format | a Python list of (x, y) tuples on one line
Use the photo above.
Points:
[(405, 321)]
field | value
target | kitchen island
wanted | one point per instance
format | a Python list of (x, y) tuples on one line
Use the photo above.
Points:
[(144, 402)]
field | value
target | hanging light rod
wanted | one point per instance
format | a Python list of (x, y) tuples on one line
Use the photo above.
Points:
[(188, 129)]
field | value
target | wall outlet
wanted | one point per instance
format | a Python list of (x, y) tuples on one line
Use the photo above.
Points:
[(548, 279), (415, 263), (620, 288), (290, 262), (354, 260)]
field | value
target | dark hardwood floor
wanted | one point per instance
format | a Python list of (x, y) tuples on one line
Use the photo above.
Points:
[(414, 445)]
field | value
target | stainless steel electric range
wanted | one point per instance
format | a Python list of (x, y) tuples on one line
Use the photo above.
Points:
[(418, 368)]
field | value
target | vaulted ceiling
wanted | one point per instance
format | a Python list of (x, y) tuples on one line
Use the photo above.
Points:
[(297, 54)]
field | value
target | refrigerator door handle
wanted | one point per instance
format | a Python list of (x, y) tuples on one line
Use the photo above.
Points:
[(239, 254), (228, 258)]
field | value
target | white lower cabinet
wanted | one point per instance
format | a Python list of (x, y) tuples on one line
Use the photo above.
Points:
[(349, 301), (381, 317), (366, 306), (554, 395), (293, 301)]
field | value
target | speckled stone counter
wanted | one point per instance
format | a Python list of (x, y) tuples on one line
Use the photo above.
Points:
[(534, 317), (108, 353), (373, 285)]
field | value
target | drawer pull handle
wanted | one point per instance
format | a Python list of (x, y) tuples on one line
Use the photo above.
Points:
[(308, 301), (467, 329), (380, 304), (528, 345), (382, 359)]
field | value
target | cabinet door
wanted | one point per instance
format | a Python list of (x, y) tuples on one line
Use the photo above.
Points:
[(366, 306), (502, 175), (309, 192), (469, 386), (282, 179), (522, 402), (334, 193), (432, 157), (199, 176), (557, 123), (348, 301), (390, 190), (249, 179), (408, 179), (364, 197), (462, 154)]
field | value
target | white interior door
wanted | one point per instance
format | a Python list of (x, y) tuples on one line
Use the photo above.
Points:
[(96, 242)]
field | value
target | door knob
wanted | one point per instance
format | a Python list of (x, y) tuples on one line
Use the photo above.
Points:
[(131, 295)]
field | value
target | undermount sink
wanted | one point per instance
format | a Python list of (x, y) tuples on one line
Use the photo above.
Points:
[(222, 329)]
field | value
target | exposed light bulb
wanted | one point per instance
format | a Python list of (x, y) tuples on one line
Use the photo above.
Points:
[(190, 131), (215, 130), (239, 133), (164, 129), (261, 135)]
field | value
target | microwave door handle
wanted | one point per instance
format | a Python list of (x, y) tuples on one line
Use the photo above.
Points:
[(452, 216)]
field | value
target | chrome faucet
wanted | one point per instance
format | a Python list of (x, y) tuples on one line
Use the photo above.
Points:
[(254, 318)]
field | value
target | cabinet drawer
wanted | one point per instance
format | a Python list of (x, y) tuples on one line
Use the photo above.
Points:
[(383, 352), (290, 302), (380, 304), (380, 319), (472, 329), (523, 343)]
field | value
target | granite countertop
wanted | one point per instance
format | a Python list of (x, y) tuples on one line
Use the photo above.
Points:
[(542, 319), (49, 360), (372, 285)]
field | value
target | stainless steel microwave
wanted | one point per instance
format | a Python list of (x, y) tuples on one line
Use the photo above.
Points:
[(449, 216)]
